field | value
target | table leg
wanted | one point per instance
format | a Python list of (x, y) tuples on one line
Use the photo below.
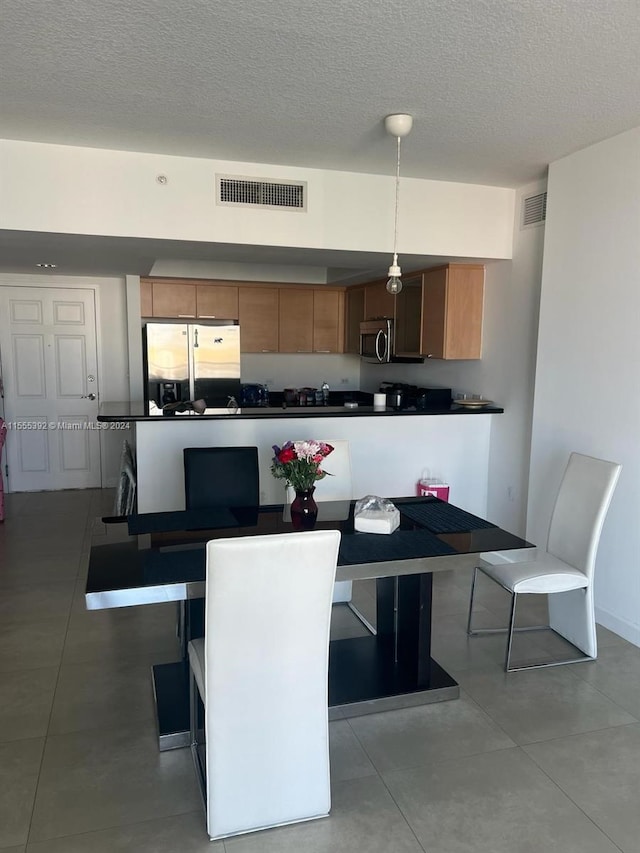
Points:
[(394, 669)]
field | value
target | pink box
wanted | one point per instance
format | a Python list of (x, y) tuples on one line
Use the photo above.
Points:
[(438, 490)]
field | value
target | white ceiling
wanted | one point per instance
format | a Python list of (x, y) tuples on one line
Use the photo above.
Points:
[(498, 88)]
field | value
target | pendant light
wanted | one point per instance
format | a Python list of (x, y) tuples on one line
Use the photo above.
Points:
[(398, 125)]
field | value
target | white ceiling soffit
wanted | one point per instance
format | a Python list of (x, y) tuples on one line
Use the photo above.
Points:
[(78, 254), (498, 88)]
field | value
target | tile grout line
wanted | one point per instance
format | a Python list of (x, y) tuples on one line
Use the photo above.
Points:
[(55, 690), (570, 798)]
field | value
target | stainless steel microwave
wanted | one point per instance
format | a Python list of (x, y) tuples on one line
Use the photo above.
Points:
[(376, 341)]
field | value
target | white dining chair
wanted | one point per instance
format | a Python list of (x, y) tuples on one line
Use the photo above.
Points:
[(261, 671), (564, 571)]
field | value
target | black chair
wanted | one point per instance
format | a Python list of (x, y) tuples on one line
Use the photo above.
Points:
[(221, 476), (215, 477)]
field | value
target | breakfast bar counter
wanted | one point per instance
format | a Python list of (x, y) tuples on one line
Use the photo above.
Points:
[(136, 411), (389, 450)]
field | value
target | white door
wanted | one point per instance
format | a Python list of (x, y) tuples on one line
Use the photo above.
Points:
[(50, 374)]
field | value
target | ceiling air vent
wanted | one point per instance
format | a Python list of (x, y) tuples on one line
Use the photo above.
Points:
[(273, 194), (534, 210)]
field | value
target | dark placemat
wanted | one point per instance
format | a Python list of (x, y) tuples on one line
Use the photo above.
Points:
[(441, 517), (356, 548)]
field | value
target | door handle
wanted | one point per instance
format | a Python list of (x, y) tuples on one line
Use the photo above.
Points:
[(88, 397)]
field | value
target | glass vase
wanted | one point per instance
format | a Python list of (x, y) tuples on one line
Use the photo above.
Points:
[(304, 510)]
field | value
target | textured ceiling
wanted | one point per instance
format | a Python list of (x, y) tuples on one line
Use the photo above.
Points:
[(498, 88)]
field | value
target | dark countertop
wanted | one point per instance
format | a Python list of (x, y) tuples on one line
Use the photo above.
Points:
[(135, 411)]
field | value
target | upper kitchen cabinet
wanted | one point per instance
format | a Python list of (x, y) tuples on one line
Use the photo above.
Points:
[(174, 299), (146, 298), (452, 305), (328, 321), (258, 315), (354, 310), (378, 302), (217, 301), (408, 322), (311, 320), (296, 320)]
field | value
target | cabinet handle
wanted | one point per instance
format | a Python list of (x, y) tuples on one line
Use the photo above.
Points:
[(303, 350), (268, 350), (322, 350), (206, 316), (188, 316)]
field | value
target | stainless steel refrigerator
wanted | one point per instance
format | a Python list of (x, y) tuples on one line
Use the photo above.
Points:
[(191, 361)]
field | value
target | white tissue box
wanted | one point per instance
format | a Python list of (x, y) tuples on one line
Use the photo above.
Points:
[(376, 521)]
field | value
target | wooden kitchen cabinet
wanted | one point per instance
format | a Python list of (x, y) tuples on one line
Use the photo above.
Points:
[(354, 315), (295, 320), (174, 299), (216, 302), (408, 325), (452, 307), (328, 321), (146, 299), (378, 302), (258, 316)]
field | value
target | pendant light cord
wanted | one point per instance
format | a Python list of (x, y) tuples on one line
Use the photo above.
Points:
[(395, 231)]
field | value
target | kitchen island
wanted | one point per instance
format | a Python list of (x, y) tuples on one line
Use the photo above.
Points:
[(390, 449)]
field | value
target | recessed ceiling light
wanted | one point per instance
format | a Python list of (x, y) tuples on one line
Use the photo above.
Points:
[(47, 266)]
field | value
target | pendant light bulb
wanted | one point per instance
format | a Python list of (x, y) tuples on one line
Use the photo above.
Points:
[(399, 126), (394, 285)]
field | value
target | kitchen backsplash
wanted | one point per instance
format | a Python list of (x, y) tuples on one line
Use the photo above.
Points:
[(279, 371)]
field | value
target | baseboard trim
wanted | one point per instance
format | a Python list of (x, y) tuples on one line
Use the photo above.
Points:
[(619, 626)]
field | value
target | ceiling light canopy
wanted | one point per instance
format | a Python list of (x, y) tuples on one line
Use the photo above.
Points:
[(398, 125)]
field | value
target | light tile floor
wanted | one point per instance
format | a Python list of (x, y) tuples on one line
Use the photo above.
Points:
[(545, 760)]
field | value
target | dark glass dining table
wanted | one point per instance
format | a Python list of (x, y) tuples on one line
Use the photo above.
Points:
[(163, 559)]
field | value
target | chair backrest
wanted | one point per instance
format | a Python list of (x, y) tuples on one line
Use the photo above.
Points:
[(221, 476), (580, 510), (268, 611)]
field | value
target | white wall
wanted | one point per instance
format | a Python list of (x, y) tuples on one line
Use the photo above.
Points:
[(505, 373), (115, 193), (586, 394), (113, 352)]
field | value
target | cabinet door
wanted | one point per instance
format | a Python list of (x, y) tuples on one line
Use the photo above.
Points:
[(296, 320), (258, 315), (408, 329), (174, 300), (216, 302), (328, 321), (465, 296), (146, 299), (354, 300), (434, 306), (378, 302), (452, 312)]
